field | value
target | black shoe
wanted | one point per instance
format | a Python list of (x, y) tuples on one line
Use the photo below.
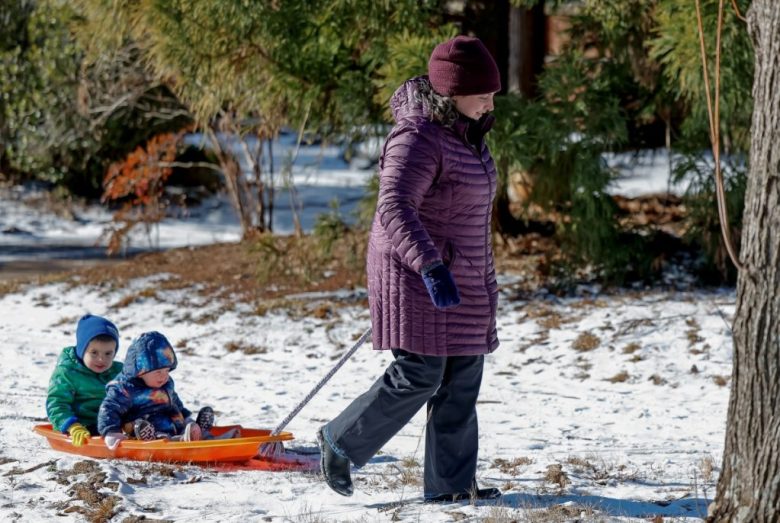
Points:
[(482, 493), (334, 468), (144, 430), (205, 418)]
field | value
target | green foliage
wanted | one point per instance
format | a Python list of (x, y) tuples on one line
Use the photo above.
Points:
[(630, 73), (676, 46), (329, 228), (407, 57), (40, 65), (704, 224), (290, 261), (364, 214), (558, 140), (248, 68), (282, 61), (63, 120)]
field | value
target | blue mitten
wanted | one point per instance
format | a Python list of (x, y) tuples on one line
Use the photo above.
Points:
[(438, 280)]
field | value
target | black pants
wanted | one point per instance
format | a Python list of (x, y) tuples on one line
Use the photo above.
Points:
[(450, 386)]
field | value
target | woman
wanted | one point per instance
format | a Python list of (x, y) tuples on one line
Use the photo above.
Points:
[(431, 276)]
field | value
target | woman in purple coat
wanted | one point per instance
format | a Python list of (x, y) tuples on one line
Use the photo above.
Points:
[(431, 277)]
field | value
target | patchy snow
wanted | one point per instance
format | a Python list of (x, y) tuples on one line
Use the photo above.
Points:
[(630, 447), (635, 418), (643, 172), (320, 175)]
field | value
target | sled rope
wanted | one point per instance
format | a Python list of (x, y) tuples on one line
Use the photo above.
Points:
[(322, 382)]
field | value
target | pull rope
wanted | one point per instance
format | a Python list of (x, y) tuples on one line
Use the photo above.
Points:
[(322, 382), (714, 122)]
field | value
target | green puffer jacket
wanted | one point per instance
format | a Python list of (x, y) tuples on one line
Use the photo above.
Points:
[(75, 392)]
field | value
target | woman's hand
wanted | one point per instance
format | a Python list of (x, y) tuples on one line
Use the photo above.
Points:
[(438, 280)]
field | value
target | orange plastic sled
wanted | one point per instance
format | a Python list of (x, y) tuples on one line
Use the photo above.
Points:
[(240, 452)]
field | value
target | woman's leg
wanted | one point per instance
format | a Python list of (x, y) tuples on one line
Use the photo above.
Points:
[(376, 416), (452, 435)]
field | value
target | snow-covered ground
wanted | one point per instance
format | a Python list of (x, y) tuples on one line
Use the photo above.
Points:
[(603, 408)]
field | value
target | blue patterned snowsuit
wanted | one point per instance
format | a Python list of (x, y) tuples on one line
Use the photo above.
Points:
[(128, 398)]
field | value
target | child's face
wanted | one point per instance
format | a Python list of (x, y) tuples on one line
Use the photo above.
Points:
[(99, 355), (156, 378)]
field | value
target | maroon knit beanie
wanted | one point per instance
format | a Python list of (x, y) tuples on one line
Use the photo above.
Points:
[(463, 66)]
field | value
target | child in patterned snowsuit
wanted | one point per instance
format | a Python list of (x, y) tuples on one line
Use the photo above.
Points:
[(142, 400)]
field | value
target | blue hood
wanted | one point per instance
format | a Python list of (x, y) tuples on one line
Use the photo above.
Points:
[(150, 351)]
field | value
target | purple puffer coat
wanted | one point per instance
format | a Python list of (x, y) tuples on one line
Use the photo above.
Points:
[(435, 200)]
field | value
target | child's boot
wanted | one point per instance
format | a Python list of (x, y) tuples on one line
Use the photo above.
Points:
[(143, 430), (205, 419)]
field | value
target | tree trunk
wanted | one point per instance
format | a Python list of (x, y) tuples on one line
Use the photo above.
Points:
[(749, 484), (527, 48)]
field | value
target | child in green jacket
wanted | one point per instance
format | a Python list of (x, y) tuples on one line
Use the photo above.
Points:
[(78, 383)]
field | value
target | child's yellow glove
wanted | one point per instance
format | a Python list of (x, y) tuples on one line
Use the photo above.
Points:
[(79, 434)]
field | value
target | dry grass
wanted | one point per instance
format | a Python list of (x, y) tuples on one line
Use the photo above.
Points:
[(583, 363), (555, 475), (600, 471), (137, 297), (583, 366), (11, 286), (88, 496), (254, 269), (532, 514), (246, 348), (706, 467), (657, 380), (512, 467), (693, 332), (406, 473), (631, 348), (534, 311), (160, 469), (590, 303), (552, 321), (620, 377), (586, 342), (144, 519)]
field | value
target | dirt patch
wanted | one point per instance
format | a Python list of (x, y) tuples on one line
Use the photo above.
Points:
[(263, 268), (239, 269)]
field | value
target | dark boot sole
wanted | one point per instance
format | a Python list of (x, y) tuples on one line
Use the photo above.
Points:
[(480, 494)]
